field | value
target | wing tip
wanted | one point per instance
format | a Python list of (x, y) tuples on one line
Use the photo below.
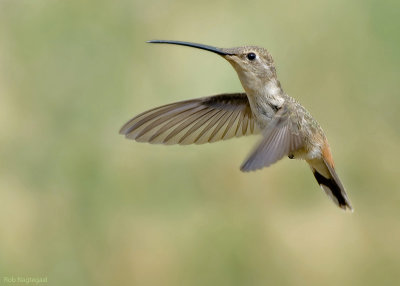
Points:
[(249, 166), (128, 127), (122, 131), (245, 170)]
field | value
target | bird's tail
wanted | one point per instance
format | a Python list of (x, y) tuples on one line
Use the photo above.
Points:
[(327, 178)]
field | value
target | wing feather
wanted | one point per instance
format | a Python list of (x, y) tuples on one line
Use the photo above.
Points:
[(281, 138), (198, 121), (203, 138), (229, 131), (215, 135)]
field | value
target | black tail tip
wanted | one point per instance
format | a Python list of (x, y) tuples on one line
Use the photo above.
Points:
[(334, 190)]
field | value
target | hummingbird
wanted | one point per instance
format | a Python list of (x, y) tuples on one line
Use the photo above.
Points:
[(287, 128)]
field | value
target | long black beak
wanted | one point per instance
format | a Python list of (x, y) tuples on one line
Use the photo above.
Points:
[(193, 45)]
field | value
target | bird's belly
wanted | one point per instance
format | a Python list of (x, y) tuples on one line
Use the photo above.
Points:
[(300, 154), (307, 153)]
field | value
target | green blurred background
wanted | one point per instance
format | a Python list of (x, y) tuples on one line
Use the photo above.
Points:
[(83, 206)]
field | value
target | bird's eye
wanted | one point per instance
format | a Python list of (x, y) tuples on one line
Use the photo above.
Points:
[(251, 56)]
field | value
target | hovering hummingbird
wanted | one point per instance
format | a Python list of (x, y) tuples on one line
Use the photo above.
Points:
[(287, 128)]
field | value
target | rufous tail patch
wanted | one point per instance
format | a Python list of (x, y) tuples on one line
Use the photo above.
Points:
[(326, 154)]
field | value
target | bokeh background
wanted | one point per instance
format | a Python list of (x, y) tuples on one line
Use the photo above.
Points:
[(81, 205)]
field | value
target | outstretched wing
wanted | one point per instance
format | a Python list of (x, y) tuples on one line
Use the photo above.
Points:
[(198, 121), (281, 138)]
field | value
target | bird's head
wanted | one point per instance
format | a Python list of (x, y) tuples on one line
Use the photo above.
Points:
[(254, 65)]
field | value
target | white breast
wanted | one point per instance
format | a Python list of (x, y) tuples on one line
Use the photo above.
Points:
[(274, 92)]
